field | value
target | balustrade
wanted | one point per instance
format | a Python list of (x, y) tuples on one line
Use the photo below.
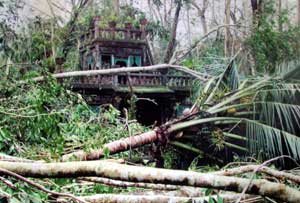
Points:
[(114, 34), (138, 80)]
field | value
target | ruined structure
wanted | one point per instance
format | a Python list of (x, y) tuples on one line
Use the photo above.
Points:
[(157, 92)]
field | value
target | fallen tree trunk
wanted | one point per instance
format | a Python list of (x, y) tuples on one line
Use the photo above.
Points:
[(138, 140), (112, 198), (264, 169), (116, 71), (152, 175), (4, 157), (115, 147), (117, 183), (157, 189)]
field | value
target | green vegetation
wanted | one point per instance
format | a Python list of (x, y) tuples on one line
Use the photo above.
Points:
[(271, 46)]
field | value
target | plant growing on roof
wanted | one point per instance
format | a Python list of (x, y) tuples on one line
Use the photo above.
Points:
[(129, 22), (112, 21), (142, 19)]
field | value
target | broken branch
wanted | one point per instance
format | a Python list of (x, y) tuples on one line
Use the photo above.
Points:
[(38, 186)]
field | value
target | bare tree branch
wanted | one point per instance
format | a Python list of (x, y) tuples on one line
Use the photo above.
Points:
[(40, 187)]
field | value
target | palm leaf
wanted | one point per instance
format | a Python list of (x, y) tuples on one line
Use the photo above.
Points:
[(284, 116), (289, 71), (280, 92), (269, 140), (229, 79)]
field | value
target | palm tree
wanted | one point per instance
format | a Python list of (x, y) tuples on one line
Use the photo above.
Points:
[(265, 110)]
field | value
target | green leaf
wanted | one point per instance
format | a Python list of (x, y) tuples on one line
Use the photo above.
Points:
[(211, 200), (208, 191), (220, 199), (106, 152)]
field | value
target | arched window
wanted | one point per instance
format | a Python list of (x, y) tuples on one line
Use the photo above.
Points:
[(135, 61)]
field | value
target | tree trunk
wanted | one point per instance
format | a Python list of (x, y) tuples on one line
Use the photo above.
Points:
[(136, 141), (227, 29), (189, 25), (266, 170), (4, 157), (122, 70), (124, 184), (172, 41), (298, 12), (117, 171), (257, 9), (113, 198), (246, 16), (279, 9), (116, 4), (201, 14), (116, 146), (71, 26)]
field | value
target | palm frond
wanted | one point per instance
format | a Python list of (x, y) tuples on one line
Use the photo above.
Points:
[(279, 95), (269, 140), (289, 70), (281, 115), (248, 91), (229, 79), (232, 78)]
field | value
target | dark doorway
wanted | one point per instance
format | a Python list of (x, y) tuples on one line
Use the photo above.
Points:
[(148, 113), (106, 60)]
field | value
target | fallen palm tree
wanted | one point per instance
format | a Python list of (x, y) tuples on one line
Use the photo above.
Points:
[(117, 171), (250, 105), (139, 140)]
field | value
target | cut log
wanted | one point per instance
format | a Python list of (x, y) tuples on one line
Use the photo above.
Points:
[(117, 171)]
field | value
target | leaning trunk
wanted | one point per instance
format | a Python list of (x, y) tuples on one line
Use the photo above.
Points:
[(172, 40), (227, 29), (298, 12)]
